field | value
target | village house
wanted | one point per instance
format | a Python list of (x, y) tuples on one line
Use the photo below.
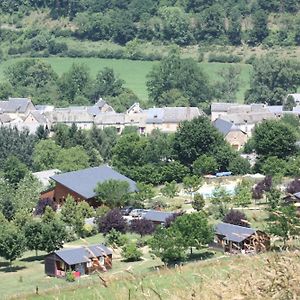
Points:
[(293, 199), (82, 261), (232, 134), (237, 239), (81, 184)]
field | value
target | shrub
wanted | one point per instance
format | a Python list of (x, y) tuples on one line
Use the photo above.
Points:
[(115, 239), (236, 217), (142, 226), (42, 204), (130, 252), (112, 220), (70, 277), (57, 47), (221, 58), (198, 202)]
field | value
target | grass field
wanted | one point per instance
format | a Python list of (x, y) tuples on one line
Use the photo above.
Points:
[(134, 73)]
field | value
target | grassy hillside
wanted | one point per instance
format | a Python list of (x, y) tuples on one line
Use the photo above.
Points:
[(134, 72)]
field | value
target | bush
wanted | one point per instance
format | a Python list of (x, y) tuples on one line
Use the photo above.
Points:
[(130, 252), (56, 47), (115, 239), (111, 220), (88, 230), (142, 226), (42, 204), (70, 277), (221, 58), (236, 217)]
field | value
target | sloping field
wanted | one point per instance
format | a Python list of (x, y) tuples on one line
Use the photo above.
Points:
[(134, 73)]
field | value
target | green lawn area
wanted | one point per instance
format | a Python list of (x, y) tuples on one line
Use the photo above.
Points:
[(133, 72)]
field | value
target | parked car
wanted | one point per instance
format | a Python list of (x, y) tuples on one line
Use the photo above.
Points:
[(125, 211)]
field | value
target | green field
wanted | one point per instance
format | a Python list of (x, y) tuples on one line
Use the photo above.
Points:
[(134, 73)]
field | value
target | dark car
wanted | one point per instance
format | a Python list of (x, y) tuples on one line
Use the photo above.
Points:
[(125, 211)]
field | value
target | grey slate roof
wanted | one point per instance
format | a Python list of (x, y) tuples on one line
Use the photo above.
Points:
[(82, 254), (84, 182), (44, 176), (14, 105), (223, 126), (39, 116), (157, 216), (179, 114), (154, 115), (4, 118), (70, 115), (234, 233)]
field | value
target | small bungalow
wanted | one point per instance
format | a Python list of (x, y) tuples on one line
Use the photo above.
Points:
[(293, 199), (238, 239), (157, 217), (82, 260)]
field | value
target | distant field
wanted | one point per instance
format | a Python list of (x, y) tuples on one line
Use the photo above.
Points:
[(134, 72)]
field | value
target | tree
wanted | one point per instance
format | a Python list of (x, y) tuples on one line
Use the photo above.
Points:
[(54, 234), (220, 201), (112, 219), (210, 24), (274, 199), (112, 192), (181, 74), (234, 31), (274, 166), (115, 238), (12, 242), (194, 230), (284, 223), (14, 170), (69, 211), (274, 138), (130, 252), (107, 84), (167, 245), (204, 165), (33, 232), (239, 166), (142, 226), (236, 217), (170, 190), (227, 88), (192, 183), (243, 195), (198, 202), (264, 185), (49, 215), (27, 193), (145, 192), (8, 209), (72, 159), (76, 82), (195, 138), (260, 28), (289, 103), (16, 143), (272, 79), (45, 155), (175, 25)]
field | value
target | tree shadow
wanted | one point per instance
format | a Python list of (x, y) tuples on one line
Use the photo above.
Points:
[(4, 264), (10, 269), (33, 258)]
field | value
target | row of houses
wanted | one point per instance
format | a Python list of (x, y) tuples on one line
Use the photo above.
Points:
[(22, 113), (237, 121)]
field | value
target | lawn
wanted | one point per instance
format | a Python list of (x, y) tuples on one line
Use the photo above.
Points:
[(134, 73)]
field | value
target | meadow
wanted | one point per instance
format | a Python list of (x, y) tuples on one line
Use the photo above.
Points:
[(134, 73)]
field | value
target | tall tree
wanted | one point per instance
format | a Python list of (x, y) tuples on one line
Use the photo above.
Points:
[(272, 79), (260, 27), (181, 74), (274, 138), (14, 170), (33, 232), (195, 138), (12, 242)]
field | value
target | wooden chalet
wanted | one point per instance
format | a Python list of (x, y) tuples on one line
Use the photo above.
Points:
[(81, 260), (237, 239), (81, 184), (293, 199)]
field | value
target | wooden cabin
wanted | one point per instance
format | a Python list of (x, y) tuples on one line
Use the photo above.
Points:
[(157, 217), (81, 260), (237, 239)]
